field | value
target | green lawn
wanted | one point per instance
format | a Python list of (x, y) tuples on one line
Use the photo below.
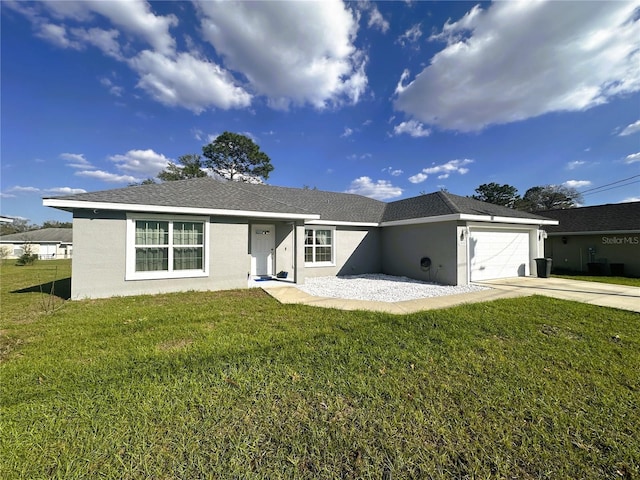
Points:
[(632, 282), (235, 385)]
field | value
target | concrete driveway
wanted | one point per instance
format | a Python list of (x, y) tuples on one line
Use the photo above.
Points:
[(594, 293)]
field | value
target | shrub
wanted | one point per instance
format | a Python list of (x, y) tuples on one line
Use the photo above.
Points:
[(27, 257)]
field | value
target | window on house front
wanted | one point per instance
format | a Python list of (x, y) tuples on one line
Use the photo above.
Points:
[(164, 248), (318, 246)]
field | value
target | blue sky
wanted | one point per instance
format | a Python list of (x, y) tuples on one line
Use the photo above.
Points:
[(383, 99)]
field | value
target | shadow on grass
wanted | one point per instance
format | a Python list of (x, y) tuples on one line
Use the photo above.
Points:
[(61, 288)]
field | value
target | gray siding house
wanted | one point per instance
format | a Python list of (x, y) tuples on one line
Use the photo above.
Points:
[(208, 234), (602, 239)]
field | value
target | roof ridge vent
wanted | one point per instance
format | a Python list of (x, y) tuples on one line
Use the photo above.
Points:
[(448, 201)]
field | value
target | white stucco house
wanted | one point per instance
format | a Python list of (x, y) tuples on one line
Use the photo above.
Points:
[(208, 234), (47, 243)]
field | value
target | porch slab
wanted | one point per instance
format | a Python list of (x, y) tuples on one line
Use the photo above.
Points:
[(291, 294), (593, 293)]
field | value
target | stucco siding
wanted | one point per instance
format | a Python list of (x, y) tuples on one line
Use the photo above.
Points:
[(403, 247), (98, 264), (605, 249), (99, 259), (285, 248), (357, 251)]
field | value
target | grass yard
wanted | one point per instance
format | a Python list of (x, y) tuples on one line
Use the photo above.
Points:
[(631, 282), (234, 385)]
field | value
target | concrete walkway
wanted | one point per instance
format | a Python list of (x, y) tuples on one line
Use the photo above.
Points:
[(603, 294), (594, 293)]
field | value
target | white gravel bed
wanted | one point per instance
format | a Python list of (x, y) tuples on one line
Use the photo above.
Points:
[(381, 288)]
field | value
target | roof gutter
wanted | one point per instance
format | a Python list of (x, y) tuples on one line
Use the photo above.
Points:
[(70, 205), (469, 218), (601, 232)]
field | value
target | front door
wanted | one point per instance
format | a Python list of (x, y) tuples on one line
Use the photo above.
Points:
[(263, 246)]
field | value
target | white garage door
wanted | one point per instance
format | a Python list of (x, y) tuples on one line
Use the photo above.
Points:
[(47, 250), (498, 254)]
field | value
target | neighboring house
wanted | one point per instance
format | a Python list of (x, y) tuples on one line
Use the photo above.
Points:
[(4, 219), (207, 234), (47, 243), (604, 239)]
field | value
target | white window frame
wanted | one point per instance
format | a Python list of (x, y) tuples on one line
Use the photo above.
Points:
[(131, 274), (332, 263)]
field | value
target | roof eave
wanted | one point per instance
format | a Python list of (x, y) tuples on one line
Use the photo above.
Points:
[(70, 205), (343, 223), (597, 232), (469, 218)]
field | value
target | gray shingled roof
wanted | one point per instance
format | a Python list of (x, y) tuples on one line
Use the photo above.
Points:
[(211, 193), (44, 235), (616, 217), (343, 207), (205, 192), (445, 203)]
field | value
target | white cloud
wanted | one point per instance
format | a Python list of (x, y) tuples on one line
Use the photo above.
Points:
[(444, 170), (64, 191), (394, 172), (347, 132), (57, 35), (76, 160), (135, 17), (197, 134), (575, 164), (355, 156), (188, 82), (634, 157), (450, 167), (376, 19), (107, 177), (380, 190), (113, 88), (630, 129), (413, 128), (143, 162), (105, 40), (292, 52), (7, 195), (518, 60), (630, 199), (577, 183), (411, 36), (20, 189), (418, 178)]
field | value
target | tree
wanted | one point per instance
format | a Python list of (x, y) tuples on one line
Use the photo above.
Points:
[(190, 166), (504, 195), (549, 197), (146, 181), (27, 257), (18, 225), (238, 158), (56, 224)]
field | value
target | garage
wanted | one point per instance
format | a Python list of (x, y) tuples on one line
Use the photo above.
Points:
[(498, 254), (47, 250)]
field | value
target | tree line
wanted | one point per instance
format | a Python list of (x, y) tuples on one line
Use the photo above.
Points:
[(535, 199), (20, 225)]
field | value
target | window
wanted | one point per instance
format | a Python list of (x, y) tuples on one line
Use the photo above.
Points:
[(164, 248), (318, 246)]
